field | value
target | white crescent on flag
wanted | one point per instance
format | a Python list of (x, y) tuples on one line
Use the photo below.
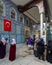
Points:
[(7, 24)]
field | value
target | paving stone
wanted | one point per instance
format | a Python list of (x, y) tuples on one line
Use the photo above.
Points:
[(27, 60)]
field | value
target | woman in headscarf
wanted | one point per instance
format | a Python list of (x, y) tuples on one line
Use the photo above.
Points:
[(2, 48), (35, 46), (40, 48), (12, 53)]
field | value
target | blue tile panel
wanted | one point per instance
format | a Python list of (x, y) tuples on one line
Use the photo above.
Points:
[(18, 28)]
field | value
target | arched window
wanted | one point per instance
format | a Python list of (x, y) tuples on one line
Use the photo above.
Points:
[(2, 8), (13, 14), (21, 18), (27, 21)]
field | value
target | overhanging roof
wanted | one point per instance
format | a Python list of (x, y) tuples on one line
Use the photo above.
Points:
[(32, 13)]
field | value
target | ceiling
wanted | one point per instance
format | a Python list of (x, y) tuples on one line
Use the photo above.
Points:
[(33, 13), (21, 2)]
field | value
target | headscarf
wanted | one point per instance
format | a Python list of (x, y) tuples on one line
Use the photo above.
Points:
[(13, 41), (37, 40), (42, 40), (3, 40)]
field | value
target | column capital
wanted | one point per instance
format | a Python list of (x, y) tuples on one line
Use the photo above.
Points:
[(40, 7)]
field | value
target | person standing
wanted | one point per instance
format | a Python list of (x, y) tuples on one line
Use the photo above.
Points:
[(29, 43), (33, 41), (2, 48), (40, 48), (12, 52), (35, 47)]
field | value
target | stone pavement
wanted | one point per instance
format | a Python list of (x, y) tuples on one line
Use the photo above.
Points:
[(27, 60)]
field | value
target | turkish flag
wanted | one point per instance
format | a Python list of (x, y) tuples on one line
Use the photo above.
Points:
[(7, 25)]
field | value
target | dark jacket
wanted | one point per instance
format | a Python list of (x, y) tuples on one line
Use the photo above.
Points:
[(2, 50), (1, 44), (40, 47)]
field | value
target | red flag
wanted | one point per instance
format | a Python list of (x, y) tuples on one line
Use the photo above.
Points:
[(7, 25)]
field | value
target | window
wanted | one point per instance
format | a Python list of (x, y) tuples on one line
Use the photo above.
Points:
[(2, 8), (21, 18), (27, 21), (13, 14)]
